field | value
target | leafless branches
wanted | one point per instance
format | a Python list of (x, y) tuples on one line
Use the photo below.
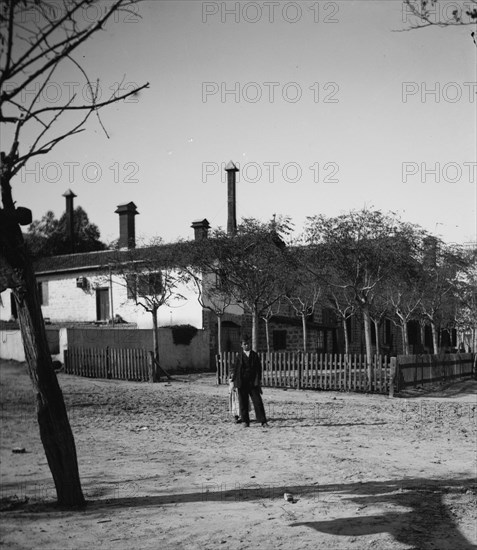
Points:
[(39, 41)]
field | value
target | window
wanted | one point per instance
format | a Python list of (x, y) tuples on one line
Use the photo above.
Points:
[(131, 285), (414, 333), (279, 339), (144, 284), (374, 328), (43, 292), (387, 333), (149, 284), (320, 340), (328, 317), (221, 279)]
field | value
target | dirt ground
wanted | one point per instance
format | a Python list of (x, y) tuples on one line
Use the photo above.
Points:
[(163, 466)]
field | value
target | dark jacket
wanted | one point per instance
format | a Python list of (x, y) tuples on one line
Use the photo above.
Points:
[(246, 370)]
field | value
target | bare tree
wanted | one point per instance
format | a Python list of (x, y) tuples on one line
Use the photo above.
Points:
[(303, 290), (345, 307), (442, 14), (442, 285), (466, 318), (438, 13), (362, 249), (152, 279), (248, 265), (200, 262), (36, 43), (253, 267), (266, 314)]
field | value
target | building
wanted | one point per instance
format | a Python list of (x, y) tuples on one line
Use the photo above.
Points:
[(92, 288)]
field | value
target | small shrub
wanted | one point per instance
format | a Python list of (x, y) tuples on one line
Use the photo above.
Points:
[(183, 334)]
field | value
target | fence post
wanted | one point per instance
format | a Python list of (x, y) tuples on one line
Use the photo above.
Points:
[(393, 377), (108, 363)]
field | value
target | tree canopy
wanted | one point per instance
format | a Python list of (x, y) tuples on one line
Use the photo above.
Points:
[(48, 236)]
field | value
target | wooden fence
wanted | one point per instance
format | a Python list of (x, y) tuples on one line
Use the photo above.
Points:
[(120, 364), (349, 372), (316, 371), (421, 370)]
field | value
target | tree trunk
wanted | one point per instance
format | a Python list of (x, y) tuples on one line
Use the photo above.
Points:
[(405, 337), (254, 329), (435, 338), (219, 335), (55, 430), (219, 346), (369, 347), (346, 336), (267, 334), (155, 342), (305, 334)]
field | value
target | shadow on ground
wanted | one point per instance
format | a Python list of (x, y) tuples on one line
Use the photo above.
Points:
[(460, 388), (428, 523)]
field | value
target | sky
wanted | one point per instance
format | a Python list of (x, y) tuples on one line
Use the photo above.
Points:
[(326, 107)]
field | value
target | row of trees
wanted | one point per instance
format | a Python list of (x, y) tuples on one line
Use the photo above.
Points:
[(363, 263)]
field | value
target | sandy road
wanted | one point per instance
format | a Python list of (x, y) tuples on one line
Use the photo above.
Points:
[(163, 466)]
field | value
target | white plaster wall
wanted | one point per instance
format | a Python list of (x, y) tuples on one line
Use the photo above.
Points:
[(193, 356), (5, 311), (179, 312), (11, 345), (66, 302)]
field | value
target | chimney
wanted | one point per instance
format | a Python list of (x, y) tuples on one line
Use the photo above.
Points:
[(127, 229), (201, 229), (70, 228), (231, 169)]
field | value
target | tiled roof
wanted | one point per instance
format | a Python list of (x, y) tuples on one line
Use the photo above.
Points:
[(101, 260)]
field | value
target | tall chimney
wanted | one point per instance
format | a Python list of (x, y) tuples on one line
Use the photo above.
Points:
[(70, 228), (231, 170), (201, 229), (127, 228)]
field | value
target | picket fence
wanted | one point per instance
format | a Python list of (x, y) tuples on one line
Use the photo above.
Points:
[(349, 372), (119, 364), (317, 371)]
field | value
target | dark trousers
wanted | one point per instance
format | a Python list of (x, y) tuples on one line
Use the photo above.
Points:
[(254, 392)]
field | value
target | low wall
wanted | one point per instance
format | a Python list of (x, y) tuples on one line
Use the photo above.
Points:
[(11, 345), (174, 357)]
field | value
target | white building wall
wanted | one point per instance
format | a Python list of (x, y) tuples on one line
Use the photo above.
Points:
[(11, 345), (180, 311), (5, 310), (68, 303)]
